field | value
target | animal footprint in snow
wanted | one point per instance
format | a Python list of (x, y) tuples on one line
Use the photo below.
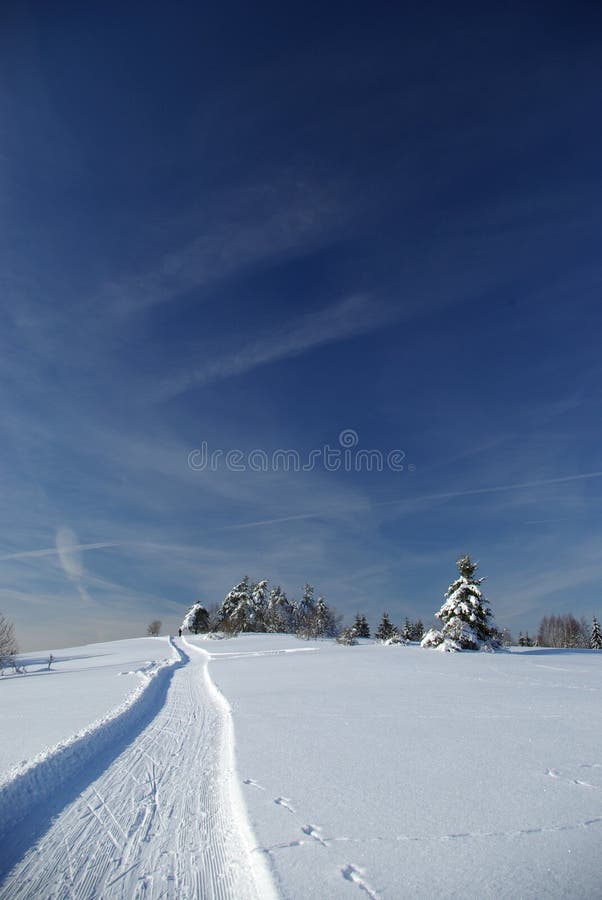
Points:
[(553, 773), (285, 802), (254, 784), (356, 876), (315, 832)]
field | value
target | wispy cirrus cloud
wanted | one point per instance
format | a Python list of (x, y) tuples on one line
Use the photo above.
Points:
[(56, 551), (256, 223), (427, 500), (347, 318)]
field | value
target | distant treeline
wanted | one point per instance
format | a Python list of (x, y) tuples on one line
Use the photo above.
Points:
[(567, 631), (251, 606), (254, 607)]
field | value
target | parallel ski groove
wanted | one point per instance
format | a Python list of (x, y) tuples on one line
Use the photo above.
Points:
[(160, 822)]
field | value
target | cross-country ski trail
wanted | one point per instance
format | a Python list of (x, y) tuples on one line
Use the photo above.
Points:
[(165, 819)]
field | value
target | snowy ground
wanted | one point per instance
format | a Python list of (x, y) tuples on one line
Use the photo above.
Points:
[(365, 771), (408, 772), (81, 686)]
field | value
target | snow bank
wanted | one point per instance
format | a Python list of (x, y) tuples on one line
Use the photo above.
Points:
[(26, 786)]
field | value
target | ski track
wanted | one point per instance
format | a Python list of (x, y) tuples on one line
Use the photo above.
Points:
[(164, 820)]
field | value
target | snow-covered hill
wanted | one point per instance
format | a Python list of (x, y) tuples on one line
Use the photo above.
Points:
[(388, 771)]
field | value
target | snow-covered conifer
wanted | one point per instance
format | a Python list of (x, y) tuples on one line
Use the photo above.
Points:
[(417, 630), (279, 614), (347, 637), (196, 619), (257, 607), (406, 630), (596, 637), (465, 617), (295, 617), (386, 630), (307, 603), (305, 611), (432, 638), (233, 612), (360, 627), (324, 620)]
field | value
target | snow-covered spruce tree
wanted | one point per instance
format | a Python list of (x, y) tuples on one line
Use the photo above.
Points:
[(466, 619), (360, 627), (196, 619), (364, 631), (595, 641), (524, 640), (294, 607), (417, 630), (406, 630), (279, 614), (257, 607), (233, 611), (230, 602), (305, 612), (347, 637), (325, 620), (386, 631)]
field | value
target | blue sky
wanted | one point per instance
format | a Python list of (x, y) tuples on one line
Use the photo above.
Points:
[(257, 228)]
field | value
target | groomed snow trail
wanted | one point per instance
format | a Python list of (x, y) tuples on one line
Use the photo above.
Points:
[(164, 820)]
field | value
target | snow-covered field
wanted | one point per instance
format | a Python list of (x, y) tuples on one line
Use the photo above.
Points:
[(81, 687), (368, 771)]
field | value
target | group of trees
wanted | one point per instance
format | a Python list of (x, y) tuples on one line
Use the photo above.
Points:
[(563, 631), (466, 619), (408, 631), (251, 606), (467, 622), (567, 631), (524, 640)]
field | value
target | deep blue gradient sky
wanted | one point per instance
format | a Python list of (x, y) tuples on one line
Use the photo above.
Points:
[(258, 226)]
